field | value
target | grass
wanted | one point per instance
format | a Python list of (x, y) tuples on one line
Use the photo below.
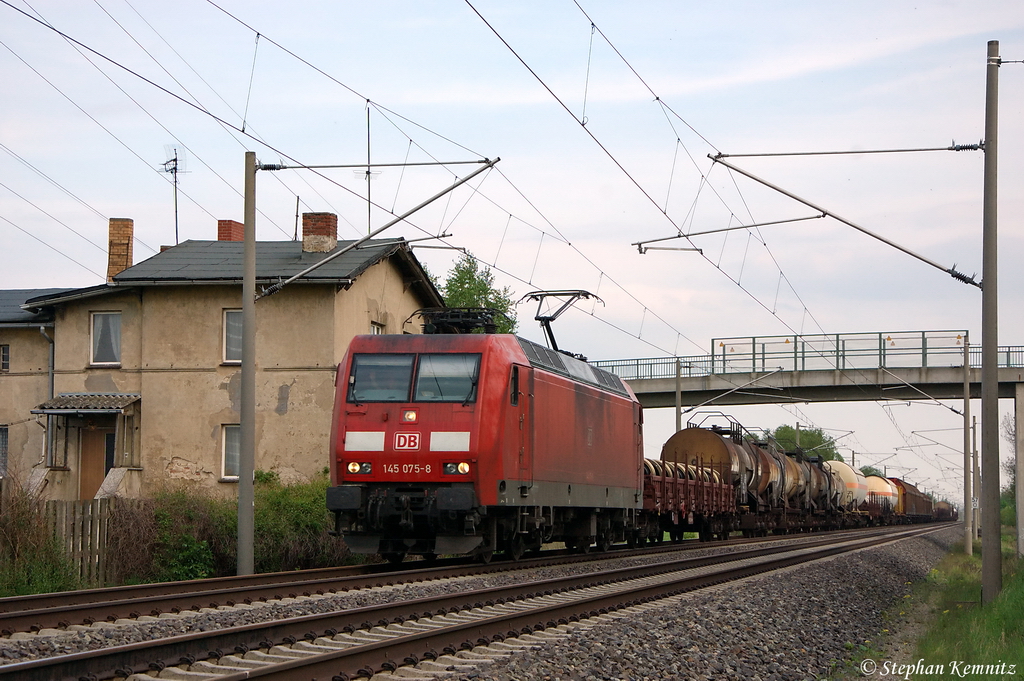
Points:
[(965, 631)]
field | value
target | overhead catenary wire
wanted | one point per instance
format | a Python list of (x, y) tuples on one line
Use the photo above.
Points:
[(225, 123)]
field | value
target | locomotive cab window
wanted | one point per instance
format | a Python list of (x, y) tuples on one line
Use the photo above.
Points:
[(380, 378), (514, 386), (447, 378)]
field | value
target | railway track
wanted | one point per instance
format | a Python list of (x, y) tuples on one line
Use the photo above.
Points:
[(433, 634), (58, 611)]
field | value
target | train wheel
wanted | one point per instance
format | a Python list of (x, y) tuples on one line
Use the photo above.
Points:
[(485, 556), (604, 543), (517, 547), (394, 558)]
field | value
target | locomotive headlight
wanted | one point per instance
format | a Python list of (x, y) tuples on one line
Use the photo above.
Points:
[(461, 468), (356, 467), (409, 416)]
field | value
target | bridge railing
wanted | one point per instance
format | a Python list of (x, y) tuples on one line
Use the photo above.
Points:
[(834, 352)]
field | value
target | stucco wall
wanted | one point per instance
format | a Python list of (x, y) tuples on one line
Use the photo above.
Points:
[(22, 388)]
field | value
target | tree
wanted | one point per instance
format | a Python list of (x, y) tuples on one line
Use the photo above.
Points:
[(813, 441), (1009, 433), (871, 470), (469, 285)]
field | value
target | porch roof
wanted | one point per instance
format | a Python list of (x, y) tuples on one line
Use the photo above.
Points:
[(88, 403)]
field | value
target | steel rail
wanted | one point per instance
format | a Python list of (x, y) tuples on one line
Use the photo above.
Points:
[(140, 657), (62, 609)]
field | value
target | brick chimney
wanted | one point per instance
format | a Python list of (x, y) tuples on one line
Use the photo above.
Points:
[(119, 250), (319, 232), (230, 230)]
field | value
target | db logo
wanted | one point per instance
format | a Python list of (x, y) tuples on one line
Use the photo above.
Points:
[(407, 441)]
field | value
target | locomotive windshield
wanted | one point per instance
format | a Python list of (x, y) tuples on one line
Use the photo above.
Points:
[(380, 378), (449, 377)]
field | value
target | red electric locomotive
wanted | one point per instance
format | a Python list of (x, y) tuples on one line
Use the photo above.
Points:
[(475, 443)]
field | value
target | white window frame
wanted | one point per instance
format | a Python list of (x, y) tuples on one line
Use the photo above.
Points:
[(93, 317), (224, 337), (377, 329), (5, 358), (236, 430)]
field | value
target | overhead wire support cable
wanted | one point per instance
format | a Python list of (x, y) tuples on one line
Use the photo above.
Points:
[(270, 290), (980, 146), (952, 271), (278, 166), (153, 83), (642, 245)]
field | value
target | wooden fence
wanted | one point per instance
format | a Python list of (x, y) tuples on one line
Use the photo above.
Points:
[(83, 527)]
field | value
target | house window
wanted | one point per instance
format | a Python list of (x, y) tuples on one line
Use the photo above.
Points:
[(230, 451), (232, 336), (5, 358), (106, 338), (376, 328), (3, 450)]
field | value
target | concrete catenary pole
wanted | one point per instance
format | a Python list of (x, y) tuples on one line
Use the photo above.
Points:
[(968, 473), (679, 395), (975, 502), (1018, 448), (247, 416), (991, 554)]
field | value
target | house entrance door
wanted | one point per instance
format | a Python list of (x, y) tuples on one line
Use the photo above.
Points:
[(96, 461)]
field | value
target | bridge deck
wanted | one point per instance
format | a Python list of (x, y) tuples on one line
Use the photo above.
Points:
[(904, 365)]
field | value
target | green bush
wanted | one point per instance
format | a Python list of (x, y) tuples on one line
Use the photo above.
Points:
[(291, 527), (32, 559), (187, 534), (178, 534), (1008, 509)]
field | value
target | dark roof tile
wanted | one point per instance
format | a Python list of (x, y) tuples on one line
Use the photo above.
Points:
[(223, 260), (12, 299)]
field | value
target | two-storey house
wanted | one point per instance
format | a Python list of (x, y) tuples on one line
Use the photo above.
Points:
[(145, 368)]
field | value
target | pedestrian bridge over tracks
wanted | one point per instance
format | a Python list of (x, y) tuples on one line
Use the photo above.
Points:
[(903, 365)]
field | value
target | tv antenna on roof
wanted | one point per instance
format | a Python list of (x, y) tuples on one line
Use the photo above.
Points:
[(174, 164)]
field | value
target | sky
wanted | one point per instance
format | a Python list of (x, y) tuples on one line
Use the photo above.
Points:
[(603, 115)]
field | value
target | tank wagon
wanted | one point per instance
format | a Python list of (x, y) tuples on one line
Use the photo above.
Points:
[(474, 443), (769, 490)]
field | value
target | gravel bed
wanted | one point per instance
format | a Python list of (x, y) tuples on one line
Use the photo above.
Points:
[(798, 624), (684, 635)]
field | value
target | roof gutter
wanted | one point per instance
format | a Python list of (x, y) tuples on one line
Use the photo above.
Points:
[(77, 412), (226, 282), (112, 286), (65, 298)]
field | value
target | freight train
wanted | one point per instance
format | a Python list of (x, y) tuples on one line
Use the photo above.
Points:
[(481, 443)]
